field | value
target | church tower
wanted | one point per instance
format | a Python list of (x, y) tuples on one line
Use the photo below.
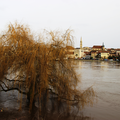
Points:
[(103, 46), (81, 43)]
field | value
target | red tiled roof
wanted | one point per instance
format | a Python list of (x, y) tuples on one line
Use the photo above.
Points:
[(108, 48), (87, 53), (95, 46), (103, 51)]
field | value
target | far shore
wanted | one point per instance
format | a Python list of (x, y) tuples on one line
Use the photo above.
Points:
[(95, 60)]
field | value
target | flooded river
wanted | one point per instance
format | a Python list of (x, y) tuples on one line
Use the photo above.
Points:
[(105, 78)]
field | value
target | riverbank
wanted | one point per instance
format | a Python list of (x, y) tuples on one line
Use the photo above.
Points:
[(90, 60), (10, 109)]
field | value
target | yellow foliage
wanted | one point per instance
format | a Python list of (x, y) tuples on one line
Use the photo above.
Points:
[(40, 68)]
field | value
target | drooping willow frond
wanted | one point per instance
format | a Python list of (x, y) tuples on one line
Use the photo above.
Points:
[(42, 67)]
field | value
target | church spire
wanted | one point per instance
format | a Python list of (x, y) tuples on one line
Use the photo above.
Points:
[(103, 44), (81, 43)]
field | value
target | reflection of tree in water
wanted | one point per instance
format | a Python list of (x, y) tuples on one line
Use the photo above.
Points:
[(40, 71), (10, 108)]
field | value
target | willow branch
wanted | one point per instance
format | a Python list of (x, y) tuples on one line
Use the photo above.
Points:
[(12, 80), (74, 100), (9, 89), (4, 83)]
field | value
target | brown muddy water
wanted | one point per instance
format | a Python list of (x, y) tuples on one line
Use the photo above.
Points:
[(105, 78)]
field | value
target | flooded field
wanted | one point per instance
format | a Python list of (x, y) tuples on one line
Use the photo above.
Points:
[(105, 78)]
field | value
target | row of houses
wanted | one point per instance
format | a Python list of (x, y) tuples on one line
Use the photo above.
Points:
[(97, 51)]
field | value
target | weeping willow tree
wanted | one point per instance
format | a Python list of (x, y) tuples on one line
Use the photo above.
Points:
[(39, 68)]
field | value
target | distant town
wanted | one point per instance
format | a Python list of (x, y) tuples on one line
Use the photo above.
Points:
[(96, 52)]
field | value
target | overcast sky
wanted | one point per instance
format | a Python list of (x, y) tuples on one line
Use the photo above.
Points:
[(96, 21)]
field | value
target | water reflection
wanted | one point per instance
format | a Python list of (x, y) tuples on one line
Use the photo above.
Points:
[(105, 78)]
